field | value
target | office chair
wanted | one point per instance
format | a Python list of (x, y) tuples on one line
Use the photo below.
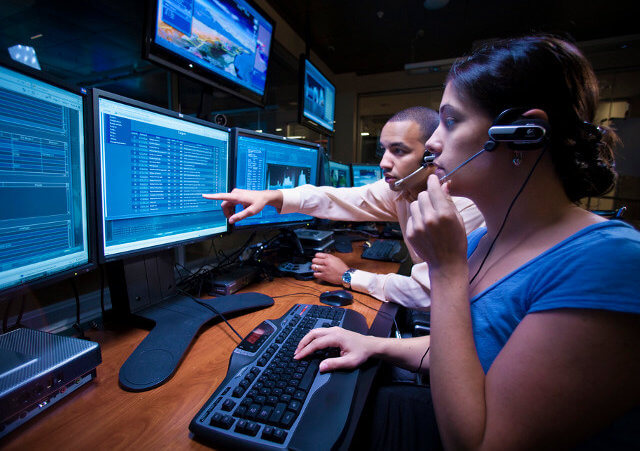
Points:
[(611, 214)]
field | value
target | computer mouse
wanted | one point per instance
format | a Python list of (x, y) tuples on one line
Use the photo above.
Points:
[(337, 298)]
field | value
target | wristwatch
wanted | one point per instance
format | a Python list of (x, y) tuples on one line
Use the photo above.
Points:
[(346, 278)]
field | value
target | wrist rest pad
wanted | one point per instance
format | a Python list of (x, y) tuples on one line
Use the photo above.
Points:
[(178, 320)]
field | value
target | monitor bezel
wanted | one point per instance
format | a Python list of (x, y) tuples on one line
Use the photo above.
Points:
[(302, 119), (349, 171), (96, 95), (235, 133), (172, 61), (373, 165), (91, 263)]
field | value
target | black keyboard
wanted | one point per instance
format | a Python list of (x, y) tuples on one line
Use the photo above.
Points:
[(385, 250), (268, 400)]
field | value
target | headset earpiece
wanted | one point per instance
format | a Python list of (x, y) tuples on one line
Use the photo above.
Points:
[(521, 133)]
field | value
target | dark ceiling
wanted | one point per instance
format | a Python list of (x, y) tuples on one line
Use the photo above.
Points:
[(98, 42), (373, 36)]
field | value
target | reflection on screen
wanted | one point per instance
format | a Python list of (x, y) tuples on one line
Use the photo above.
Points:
[(339, 175), (154, 169), (364, 174), (319, 97), (265, 163), (43, 219), (227, 37)]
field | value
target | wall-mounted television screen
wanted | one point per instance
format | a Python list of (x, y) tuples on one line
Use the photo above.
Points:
[(225, 43), (317, 100)]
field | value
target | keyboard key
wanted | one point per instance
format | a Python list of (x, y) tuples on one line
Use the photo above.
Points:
[(251, 428), (287, 419), (309, 375), (277, 413), (228, 405), (279, 436), (264, 414), (222, 421)]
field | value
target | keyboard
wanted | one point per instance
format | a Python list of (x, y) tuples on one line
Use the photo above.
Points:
[(385, 250), (268, 400)]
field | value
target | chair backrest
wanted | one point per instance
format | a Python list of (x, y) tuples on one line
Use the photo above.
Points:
[(611, 214)]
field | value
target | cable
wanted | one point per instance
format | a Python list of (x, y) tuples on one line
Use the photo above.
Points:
[(423, 356), (18, 322), (101, 271), (378, 311), (214, 310), (294, 294), (5, 320), (504, 221), (301, 286), (77, 325)]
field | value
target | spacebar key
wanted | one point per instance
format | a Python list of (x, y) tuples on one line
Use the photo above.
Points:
[(309, 376)]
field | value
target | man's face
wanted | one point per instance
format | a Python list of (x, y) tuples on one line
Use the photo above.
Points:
[(403, 152)]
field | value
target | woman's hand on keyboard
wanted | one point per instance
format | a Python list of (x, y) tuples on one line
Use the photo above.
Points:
[(355, 348)]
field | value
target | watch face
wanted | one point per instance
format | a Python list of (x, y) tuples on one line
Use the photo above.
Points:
[(346, 278)]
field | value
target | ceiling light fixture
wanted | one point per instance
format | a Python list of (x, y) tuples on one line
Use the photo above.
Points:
[(435, 4), (429, 66), (24, 54)]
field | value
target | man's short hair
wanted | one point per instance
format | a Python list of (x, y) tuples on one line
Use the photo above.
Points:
[(425, 117)]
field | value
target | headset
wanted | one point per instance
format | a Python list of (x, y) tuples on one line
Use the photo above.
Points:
[(510, 127), (519, 132), (427, 160)]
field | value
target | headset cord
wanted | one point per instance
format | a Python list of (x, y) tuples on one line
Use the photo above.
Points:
[(213, 309), (504, 221)]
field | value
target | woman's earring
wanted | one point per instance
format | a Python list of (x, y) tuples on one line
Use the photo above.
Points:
[(517, 158)]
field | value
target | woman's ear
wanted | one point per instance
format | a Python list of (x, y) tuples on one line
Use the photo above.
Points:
[(536, 113)]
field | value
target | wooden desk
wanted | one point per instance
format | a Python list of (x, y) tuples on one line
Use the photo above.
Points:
[(101, 415)]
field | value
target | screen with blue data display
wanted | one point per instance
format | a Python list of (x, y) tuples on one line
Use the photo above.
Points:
[(318, 98), (339, 175), (227, 38), (154, 168), (363, 174), (43, 186), (272, 162)]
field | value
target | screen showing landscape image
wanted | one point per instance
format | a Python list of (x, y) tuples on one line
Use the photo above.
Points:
[(227, 37)]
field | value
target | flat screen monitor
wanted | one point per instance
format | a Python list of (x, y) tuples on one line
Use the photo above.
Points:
[(339, 175), (273, 162), (153, 167), (225, 43), (317, 99), (363, 174), (45, 226)]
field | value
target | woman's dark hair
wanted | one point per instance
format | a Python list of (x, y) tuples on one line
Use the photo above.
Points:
[(551, 74)]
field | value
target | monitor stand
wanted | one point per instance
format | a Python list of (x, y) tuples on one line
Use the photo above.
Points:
[(145, 287), (295, 264)]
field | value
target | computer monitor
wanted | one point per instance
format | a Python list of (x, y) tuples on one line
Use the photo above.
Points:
[(317, 99), (224, 43), (363, 174), (153, 166), (45, 184), (266, 161), (339, 175)]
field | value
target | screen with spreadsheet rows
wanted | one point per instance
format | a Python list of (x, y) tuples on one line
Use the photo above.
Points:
[(154, 169), (43, 187)]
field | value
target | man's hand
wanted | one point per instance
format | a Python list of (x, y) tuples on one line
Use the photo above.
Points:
[(252, 201), (328, 267)]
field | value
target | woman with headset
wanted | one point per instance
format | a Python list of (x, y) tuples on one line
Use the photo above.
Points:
[(535, 325)]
